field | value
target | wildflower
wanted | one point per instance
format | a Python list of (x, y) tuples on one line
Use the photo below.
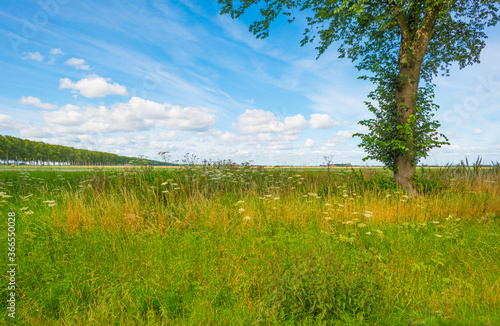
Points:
[(340, 205), (312, 194), (51, 205), (23, 208), (268, 196), (164, 183), (241, 210), (175, 184), (355, 213), (435, 222), (328, 218), (49, 201), (403, 200), (388, 195), (165, 191), (406, 197), (379, 231), (348, 222), (247, 218), (369, 233), (276, 198), (29, 212), (177, 188), (26, 197), (326, 213), (240, 202), (368, 214), (361, 225), (328, 204), (438, 235)]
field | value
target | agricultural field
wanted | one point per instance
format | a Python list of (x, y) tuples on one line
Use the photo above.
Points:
[(251, 246)]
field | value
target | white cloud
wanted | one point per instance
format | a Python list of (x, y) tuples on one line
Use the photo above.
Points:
[(7, 122), (56, 52), (77, 63), (477, 131), (260, 121), (93, 86), (322, 121), (309, 142), (36, 56), (188, 118), (340, 137), (136, 115), (30, 100)]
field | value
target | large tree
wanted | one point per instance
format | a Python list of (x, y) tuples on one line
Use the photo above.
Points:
[(402, 44)]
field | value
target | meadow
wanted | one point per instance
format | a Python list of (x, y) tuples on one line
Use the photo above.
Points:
[(226, 245)]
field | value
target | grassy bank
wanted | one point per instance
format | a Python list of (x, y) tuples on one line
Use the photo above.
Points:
[(244, 246)]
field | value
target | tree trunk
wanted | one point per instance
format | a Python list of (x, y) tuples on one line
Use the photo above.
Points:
[(413, 46)]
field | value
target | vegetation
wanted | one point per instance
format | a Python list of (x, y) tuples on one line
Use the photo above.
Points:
[(400, 43), (40, 153), (227, 245)]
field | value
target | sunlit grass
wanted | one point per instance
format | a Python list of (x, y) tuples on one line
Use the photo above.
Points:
[(247, 245)]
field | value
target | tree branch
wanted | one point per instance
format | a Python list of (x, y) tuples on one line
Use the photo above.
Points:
[(398, 12)]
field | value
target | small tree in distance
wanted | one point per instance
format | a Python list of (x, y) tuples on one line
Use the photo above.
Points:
[(401, 43)]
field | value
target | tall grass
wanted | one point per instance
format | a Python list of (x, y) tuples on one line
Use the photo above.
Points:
[(225, 245)]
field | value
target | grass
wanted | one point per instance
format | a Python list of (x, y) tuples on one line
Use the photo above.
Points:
[(252, 246)]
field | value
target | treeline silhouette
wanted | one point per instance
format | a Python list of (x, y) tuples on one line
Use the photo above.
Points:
[(23, 151)]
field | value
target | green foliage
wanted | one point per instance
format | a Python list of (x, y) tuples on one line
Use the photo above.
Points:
[(108, 247), (388, 139), (325, 289), (399, 43)]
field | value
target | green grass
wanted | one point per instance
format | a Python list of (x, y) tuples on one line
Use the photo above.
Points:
[(246, 246)]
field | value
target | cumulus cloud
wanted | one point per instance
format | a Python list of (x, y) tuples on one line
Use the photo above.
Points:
[(36, 56), (340, 137), (93, 86), (77, 63), (309, 142), (136, 115), (56, 52), (322, 121), (30, 100), (261, 122), (189, 118), (477, 131), (7, 122)]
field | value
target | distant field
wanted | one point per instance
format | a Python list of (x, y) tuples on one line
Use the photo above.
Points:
[(245, 246)]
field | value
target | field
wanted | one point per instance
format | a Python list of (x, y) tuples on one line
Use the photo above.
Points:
[(252, 246)]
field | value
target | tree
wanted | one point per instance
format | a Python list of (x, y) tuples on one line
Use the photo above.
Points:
[(400, 43)]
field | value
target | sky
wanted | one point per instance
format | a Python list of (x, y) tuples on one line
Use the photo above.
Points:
[(139, 77)]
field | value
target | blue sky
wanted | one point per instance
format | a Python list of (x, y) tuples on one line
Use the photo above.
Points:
[(139, 77)]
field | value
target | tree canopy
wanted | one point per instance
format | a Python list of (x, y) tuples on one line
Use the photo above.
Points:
[(13, 149), (399, 43)]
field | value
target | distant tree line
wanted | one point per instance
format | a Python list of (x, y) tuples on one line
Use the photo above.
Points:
[(23, 151)]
